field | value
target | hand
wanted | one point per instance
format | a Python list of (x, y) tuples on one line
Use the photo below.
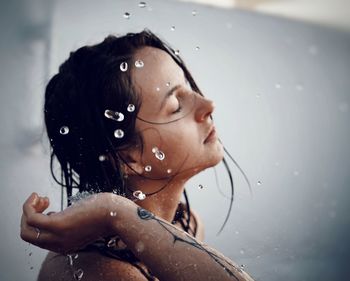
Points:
[(72, 229)]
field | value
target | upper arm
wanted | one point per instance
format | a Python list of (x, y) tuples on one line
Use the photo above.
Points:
[(94, 266)]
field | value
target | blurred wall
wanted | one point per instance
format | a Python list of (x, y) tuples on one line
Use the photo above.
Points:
[(281, 90)]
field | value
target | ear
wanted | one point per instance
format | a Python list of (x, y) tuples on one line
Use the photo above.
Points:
[(132, 165)]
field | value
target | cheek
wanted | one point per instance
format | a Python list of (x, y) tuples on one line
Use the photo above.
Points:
[(166, 150)]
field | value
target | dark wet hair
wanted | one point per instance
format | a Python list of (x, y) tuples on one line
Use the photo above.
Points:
[(89, 82)]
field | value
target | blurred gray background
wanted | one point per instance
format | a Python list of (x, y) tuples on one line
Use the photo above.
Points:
[(282, 94)]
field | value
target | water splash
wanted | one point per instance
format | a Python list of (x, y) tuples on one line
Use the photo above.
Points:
[(126, 15), (139, 195), (148, 168), (139, 63), (142, 4)]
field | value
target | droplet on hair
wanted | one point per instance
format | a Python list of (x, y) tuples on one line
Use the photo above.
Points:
[(197, 48), (131, 108), (169, 171), (139, 195), (172, 28), (126, 15), (194, 13), (177, 52), (117, 116), (142, 4), (148, 168), (118, 133), (113, 213), (102, 158), (78, 274), (111, 243), (64, 130), (160, 155), (139, 63), (123, 66)]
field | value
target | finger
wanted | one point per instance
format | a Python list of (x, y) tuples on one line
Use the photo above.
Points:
[(35, 204)]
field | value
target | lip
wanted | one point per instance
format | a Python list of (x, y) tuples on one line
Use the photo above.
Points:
[(211, 135)]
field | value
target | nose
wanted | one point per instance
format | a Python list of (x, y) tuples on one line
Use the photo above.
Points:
[(205, 108)]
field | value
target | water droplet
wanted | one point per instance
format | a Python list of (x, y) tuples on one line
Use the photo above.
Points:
[(277, 86), (241, 252), (117, 116), (177, 52), (258, 95), (154, 149), (32, 267), (167, 84), (194, 12), (242, 266), (30, 254), (118, 133), (197, 48), (111, 243), (142, 4), (123, 66), (160, 155), (148, 168), (113, 213), (64, 130), (157, 89), (102, 158), (172, 28), (169, 171), (139, 195), (78, 274), (259, 183), (139, 63), (200, 186), (127, 15), (131, 108)]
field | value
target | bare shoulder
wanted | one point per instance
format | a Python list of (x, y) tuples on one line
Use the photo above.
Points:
[(92, 266)]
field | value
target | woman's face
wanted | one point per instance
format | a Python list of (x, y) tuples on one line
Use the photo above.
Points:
[(179, 137)]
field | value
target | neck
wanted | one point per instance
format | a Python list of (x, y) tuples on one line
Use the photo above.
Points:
[(163, 203)]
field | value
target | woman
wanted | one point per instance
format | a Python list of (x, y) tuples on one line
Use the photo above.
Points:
[(129, 127)]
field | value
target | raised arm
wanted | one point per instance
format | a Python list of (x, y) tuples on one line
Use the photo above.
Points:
[(170, 253)]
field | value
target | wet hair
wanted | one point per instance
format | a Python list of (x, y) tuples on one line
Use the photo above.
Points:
[(76, 98)]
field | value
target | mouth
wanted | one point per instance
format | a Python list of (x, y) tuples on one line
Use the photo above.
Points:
[(211, 135)]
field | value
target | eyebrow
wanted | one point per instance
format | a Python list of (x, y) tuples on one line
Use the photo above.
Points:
[(168, 94)]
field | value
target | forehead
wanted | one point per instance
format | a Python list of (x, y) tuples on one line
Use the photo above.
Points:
[(159, 69)]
